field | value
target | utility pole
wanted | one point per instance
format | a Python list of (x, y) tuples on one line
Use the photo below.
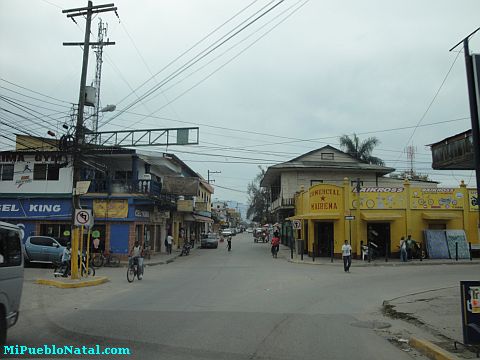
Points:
[(211, 172), (474, 109), (79, 137)]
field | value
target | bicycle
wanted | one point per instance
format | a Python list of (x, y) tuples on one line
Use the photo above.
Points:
[(134, 270), (100, 259)]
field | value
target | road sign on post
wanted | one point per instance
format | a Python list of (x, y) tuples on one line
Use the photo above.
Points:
[(83, 217), (297, 224)]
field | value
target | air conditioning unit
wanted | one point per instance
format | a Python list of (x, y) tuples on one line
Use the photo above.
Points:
[(147, 177)]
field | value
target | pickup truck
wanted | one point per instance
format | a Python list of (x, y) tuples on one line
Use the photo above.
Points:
[(43, 249)]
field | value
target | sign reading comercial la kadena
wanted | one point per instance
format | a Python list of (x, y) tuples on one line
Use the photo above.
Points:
[(325, 198)]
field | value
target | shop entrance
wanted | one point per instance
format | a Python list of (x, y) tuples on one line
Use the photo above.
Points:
[(378, 235), (324, 239)]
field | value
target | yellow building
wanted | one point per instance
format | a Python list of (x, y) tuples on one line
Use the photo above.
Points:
[(331, 214)]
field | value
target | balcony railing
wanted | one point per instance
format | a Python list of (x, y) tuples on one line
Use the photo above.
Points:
[(147, 187), (282, 203)]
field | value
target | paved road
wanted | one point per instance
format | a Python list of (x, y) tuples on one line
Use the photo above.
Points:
[(219, 305)]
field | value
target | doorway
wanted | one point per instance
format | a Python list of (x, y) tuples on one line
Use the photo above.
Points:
[(378, 234), (437, 226), (324, 239)]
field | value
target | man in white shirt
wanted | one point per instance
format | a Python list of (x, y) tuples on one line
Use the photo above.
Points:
[(169, 243), (347, 256)]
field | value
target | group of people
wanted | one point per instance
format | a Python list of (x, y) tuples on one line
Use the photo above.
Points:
[(408, 248)]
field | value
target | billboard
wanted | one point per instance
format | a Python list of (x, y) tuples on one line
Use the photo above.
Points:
[(436, 198), (177, 185), (380, 198)]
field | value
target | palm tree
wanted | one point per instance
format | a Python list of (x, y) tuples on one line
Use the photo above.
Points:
[(361, 150)]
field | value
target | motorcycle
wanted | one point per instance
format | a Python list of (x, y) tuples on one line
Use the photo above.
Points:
[(186, 249)]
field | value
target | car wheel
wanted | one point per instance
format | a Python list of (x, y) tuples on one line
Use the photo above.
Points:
[(3, 327)]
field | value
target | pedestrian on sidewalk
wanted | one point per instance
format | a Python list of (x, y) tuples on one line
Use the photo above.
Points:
[(403, 249), (347, 256), (169, 243)]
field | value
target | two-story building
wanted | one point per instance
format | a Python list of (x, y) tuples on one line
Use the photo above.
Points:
[(134, 195), (325, 165)]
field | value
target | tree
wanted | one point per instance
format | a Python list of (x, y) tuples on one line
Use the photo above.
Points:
[(258, 200), (361, 150)]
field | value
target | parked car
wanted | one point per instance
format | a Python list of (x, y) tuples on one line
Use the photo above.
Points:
[(249, 230), (210, 241), (44, 249), (11, 277)]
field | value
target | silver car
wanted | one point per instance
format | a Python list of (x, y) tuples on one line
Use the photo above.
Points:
[(11, 277), (209, 241), (43, 249)]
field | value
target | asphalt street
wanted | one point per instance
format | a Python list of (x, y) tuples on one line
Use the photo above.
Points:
[(241, 304)]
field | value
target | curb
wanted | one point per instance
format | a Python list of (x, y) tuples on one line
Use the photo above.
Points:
[(430, 350), (74, 284), (374, 264)]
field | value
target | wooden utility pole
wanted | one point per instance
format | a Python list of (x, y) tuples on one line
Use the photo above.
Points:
[(79, 137)]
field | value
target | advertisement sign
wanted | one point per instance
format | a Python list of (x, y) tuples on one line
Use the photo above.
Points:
[(325, 198), (117, 209), (35, 208), (436, 198), (177, 185), (473, 200), (185, 205), (380, 198), (470, 292)]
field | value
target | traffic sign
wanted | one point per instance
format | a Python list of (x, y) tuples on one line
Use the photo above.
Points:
[(297, 224), (349, 217), (83, 217)]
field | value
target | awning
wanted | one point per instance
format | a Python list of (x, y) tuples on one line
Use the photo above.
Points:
[(380, 216), (440, 215), (330, 216), (197, 218)]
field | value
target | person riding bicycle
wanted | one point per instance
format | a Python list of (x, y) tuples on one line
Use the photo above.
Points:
[(275, 244), (136, 256), (66, 257)]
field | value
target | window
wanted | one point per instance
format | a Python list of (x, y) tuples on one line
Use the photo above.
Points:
[(10, 248), (327, 156), (46, 171), (41, 241), (315, 182), (6, 172)]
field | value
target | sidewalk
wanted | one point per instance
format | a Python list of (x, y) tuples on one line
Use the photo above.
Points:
[(285, 252), (437, 311), (67, 283)]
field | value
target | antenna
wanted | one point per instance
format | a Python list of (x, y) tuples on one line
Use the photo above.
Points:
[(411, 150)]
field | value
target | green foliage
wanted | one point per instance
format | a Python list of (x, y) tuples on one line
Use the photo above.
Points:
[(258, 200), (361, 150)]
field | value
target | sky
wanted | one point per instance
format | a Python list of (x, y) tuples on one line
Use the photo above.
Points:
[(262, 91)]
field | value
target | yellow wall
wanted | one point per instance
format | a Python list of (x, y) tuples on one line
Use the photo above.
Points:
[(408, 211)]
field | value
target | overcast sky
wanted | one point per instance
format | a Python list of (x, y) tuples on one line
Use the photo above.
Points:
[(295, 80)]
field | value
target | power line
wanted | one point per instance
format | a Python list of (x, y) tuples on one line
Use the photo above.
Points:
[(195, 60), (35, 92)]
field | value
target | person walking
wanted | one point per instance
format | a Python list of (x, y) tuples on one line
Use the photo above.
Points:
[(347, 256), (275, 245), (229, 243), (403, 249), (169, 243)]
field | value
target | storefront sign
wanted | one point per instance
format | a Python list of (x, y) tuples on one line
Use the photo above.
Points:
[(185, 205), (35, 208), (436, 198), (470, 292), (325, 198), (473, 200), (117, 209), (380, 198)]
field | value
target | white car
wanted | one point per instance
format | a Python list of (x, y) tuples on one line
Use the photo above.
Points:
[(227, 232)]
